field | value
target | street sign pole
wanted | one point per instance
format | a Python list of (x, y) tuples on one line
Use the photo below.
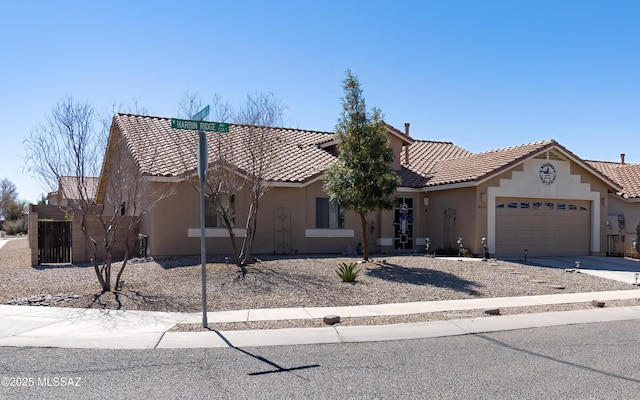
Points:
[(203, 155), (202, 164), (196, 123)]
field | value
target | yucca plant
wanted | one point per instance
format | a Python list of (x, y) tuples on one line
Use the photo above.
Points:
[(348, 272)]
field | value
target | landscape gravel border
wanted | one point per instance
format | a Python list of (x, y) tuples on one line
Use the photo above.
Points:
[(174, 284)]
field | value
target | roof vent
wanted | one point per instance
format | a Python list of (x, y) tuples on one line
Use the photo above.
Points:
[(622, 158)]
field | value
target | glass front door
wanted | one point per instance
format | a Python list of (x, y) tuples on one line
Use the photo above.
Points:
[(403, 224)]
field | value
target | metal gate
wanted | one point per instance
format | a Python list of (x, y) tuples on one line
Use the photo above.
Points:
[(54, 242)]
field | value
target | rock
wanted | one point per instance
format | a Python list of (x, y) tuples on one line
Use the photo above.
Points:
[(41, 300), (492, 311), (331, 319), (597, 303)]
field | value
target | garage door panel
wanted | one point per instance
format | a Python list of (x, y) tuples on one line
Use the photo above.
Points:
[(542, 227)]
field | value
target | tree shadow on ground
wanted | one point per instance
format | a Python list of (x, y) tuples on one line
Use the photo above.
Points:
[(191, 261), (423, 277), (118, 300)]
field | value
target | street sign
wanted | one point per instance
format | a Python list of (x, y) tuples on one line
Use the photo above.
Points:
[(202, 114), (206, 126), (214, 126), (185, 124)]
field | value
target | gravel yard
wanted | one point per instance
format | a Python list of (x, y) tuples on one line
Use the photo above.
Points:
[(174, 284)]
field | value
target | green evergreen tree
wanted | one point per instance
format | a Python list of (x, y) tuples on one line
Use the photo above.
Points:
[(362, 179)]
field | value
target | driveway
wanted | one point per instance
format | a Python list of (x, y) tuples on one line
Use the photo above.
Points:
[(615, 268)]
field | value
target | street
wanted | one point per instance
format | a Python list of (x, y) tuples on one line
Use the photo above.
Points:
[(592, 361)]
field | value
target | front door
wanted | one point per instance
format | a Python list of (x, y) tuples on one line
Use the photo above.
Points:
[(403, 224)]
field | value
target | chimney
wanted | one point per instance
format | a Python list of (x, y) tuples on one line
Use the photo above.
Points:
[(622, 158), (406, 146)]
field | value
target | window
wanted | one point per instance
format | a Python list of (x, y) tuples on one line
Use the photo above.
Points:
[(214, 206), (328, 214)]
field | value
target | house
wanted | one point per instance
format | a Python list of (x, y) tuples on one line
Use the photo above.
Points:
[(537, 197), (69, 190)]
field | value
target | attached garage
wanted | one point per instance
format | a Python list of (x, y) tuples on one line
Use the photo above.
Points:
[(542, 226)]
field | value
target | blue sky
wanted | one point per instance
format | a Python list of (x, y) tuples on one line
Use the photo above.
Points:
[(481, 74)]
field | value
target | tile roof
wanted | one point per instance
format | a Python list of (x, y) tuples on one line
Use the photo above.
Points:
[(299, 155), (424, 155), (438, 163), (68, 187), (163, 151), (625, 175)]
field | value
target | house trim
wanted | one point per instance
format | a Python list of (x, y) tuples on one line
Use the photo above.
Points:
[(216, 232), (328, 233)]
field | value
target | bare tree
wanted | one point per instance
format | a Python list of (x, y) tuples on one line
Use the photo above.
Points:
[(241, 161), (260, 114), (68, 152), (189, 104), (8, 197)]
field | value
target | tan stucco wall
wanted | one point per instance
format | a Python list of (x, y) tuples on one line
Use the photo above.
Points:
[(80, 252), (597, 185), (398, 153), (168, 223), (461, 200)]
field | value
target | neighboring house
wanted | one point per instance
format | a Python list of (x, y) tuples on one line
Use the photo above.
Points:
[(537, 197)]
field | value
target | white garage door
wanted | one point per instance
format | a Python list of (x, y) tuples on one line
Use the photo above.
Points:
[(543, 227)]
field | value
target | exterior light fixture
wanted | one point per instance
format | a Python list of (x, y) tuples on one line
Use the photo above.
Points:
[(485, 249)]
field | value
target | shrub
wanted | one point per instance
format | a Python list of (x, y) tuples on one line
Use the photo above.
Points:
[(348, 272), (15, 227)]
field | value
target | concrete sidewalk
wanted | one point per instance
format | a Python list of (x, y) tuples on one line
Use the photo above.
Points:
[(108, 329)]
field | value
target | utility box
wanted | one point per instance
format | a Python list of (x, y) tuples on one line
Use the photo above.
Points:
[(613, 225)]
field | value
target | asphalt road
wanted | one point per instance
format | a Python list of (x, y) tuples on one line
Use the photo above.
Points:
[(594, 361)]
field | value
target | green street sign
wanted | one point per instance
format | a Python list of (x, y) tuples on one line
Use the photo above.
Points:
[(202, 114), (206, 126), (214, 126)]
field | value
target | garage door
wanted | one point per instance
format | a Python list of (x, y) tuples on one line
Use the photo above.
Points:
[(543, 227)]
